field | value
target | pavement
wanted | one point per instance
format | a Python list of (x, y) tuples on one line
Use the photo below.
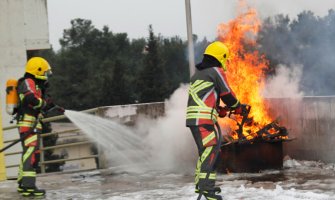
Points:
[(298, 180)]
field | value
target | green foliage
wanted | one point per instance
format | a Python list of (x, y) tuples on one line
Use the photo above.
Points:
[(153, 74), (175, 63), (99, 68)]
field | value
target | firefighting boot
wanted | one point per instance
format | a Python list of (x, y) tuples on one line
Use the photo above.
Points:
[(32, 192), (196, 188), (212, 196), (19, 188)]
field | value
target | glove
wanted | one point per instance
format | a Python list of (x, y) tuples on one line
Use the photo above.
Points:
[(40, 116), (241, 109), (60, 109), (49, 103), (57, 108), (222, 111)]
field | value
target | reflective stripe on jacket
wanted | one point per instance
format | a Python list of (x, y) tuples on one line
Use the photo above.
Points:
[(206, 87)]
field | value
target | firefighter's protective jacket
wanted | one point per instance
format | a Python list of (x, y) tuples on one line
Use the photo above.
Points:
[(207, 86), (31, 101)]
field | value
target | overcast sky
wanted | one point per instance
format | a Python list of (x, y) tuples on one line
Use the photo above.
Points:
[(166, 16)]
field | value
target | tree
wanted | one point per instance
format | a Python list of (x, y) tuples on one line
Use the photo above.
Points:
[(93, 63), (307, 41), (173, 52), (152, 79), (101, 68), (273, 39)]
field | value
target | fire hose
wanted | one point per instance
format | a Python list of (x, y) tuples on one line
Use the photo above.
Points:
[(32, 130)]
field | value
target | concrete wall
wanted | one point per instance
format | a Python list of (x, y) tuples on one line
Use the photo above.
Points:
[(128, 114), (36, 26), (311, 121), (23, 26)]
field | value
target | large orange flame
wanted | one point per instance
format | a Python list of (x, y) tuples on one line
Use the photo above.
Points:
[(245, 70)]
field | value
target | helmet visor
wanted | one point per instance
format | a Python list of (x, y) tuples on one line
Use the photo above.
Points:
[(48, 73)]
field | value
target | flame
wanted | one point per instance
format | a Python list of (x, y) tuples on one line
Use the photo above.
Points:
[(245, 68)]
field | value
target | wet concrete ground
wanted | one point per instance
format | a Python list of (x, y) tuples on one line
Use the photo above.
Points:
[(299, 180), (96, 185)]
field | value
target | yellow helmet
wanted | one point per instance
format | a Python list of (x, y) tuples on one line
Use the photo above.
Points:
[(219, 51), (38, 67)]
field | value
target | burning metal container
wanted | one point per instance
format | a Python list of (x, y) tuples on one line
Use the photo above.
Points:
[(251, 157), (253, 151)]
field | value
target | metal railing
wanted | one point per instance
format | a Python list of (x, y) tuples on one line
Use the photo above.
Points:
[(153, 110), (43, 148)]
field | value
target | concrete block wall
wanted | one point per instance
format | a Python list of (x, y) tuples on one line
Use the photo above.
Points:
[(311, 121), (128, 114)]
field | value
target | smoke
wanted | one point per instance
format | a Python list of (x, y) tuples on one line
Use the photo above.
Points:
[(306, 41), (285, 84), (291, 8), (170, 142)]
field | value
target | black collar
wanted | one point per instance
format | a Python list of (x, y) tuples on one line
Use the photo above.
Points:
[(208, 62)]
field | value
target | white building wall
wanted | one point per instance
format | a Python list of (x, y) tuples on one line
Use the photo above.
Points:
[(36, 25), (23, 26)]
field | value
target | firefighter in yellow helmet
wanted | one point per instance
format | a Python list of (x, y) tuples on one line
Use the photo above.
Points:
[(208, 86), (32, 100)]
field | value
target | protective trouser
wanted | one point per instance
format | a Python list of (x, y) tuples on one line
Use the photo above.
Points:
[(207, 141), (27, 169)]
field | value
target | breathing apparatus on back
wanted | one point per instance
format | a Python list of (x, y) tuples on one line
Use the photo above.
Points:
[(36, 66), (12, 98)]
